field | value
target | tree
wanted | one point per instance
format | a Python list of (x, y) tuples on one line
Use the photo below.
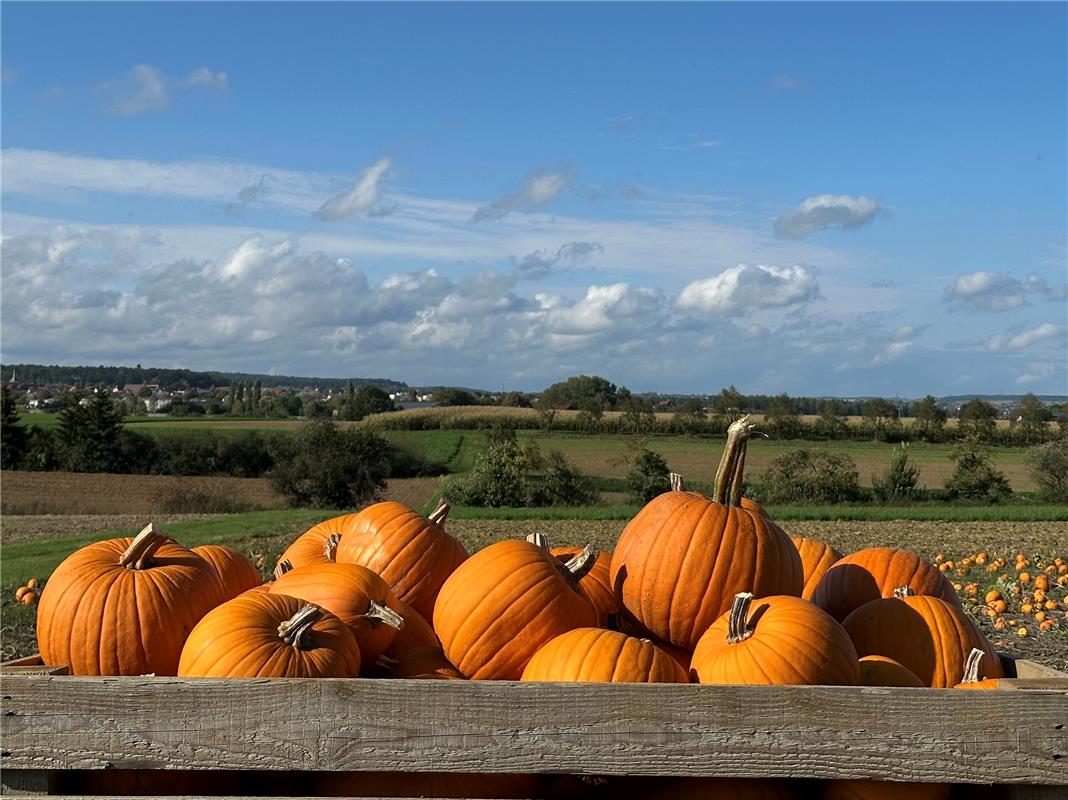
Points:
[(930, 419), (975, 477), (690, 415), (580, 390), (781, 419), (91, 436), (809, 476), (1049, 466), (514, 400), (257, 396), (369, 400), (449, 396), (831, 423), (979, 419), (638, 415), (729, 403), (591, 409), (900, 479), (13, 438), (648, 476), (880, 418), (1030, 419), (545, 405)]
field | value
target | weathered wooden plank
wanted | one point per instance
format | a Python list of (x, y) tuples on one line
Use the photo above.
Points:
[(25, 661), (25, 782), (38, 669), (479, 726), (1018, 684), (1033, 670)]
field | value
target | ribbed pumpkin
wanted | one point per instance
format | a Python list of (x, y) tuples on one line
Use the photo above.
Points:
[(876, 572), (725, 789), (884, 790), (597, 583), (681, 560), (412, 553), (318, 544), (264, 635), (427, 784), (602, 656), (236, 573), (816, 558), (416, 632), (973, 677), (925, 634), (505, 602), (124, 606), (785, 640), (883, 671), (355, 595), (421, 663)]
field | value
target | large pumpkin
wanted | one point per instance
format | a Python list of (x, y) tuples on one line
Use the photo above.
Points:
[(816, 558), (883, 671), (236, 573), (355, 595), (264, 635), (681, 560), (597, 583), (884, 790), (785, 640), (124, 606), (598, 655), (925, 634), (505, 602), (877, 572), (318, 544), (412, 553)]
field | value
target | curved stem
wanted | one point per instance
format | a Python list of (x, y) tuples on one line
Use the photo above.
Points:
[(294, 631), (139, 554), (330, 548), (738, 476), (381, 614), (282, 567), (676, 482), (904, 591), (971, 666), (738, 628), (579, 566), (438, 515), (733, 453), (538, 540)]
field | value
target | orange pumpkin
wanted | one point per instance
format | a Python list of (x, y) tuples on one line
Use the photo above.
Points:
[(422, 663), (786, 640), (681, 560), (601, 656), (816, 558), (973, 674), (506, 601), (883, 671), (597, 583), (124, 606), (884, 790), (318, 544), (876, 572), (416, 632), (264, 635), (725, 789), (355, 595), (427, 784), (236, 572), (926, 635), (412, 553)]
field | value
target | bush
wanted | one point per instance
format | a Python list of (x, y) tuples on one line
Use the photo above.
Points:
[(1049, 467), (810, 476), (648, 476), (975, 477), (900, 479), (329, 467)]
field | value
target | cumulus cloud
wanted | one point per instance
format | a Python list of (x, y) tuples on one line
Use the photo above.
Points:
[(892, 352), (823, 211), (145, 88), (750, 286), (604, 308), (540, 263), (998, 291), (362, 197), (538, 190), (1023, 339)]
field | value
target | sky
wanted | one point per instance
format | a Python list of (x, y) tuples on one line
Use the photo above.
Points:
[(819, 199)]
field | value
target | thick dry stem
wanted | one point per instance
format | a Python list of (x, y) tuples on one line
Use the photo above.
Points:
[(330, 548), (438, 515), (733, 460), (139, 554), (904, 591), (738, 627), (381, 614), (971, 666), (538, 540), (579, 566), (282, 567), (294, 631), (676, 482), (738, 477)]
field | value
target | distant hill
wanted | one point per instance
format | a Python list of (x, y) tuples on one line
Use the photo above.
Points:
[(174, 378), (1000, 399)]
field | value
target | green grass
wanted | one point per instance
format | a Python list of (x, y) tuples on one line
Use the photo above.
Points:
[(455, 450)]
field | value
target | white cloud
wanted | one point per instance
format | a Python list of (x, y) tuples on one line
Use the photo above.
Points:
[(362, 197), (251, 195), (827, 211), (1036, 372), (1019, 341), (540, 263), (744, 286), (145, 88), (538, 190), (603, 308), (998, 291), (892, 352)]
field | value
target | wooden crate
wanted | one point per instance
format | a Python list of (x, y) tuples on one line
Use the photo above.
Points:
[(1015, 737)]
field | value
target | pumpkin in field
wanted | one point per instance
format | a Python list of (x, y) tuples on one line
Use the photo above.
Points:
[(236, 572), (427, 784), (883, 671), (877, 572), (785, 640), (725, 789), (505, 602), (926, 635), (602, 656), (681, 560), (318, 544), (884, 790), (412, 553), (973, 675), (816, 558), (264, 635), (597, 583), (124, 606), (421, 663), (353, 594)]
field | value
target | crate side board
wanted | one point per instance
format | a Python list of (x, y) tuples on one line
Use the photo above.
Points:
[(52, 722)]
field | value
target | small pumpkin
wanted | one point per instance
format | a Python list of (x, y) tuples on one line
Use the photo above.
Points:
[(30, 598), (236, 572), (816, 558), (602, 656), (883, 671), (973, 674), (420, 663), (785, 641)]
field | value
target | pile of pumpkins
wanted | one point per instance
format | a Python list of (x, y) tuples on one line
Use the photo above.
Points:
[(698, 589), (28, 593)]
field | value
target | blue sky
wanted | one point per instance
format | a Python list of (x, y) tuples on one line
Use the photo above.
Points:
[(811, 198)]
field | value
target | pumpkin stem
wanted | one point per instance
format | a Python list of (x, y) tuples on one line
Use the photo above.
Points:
[(538, 540), (330, 548), (579, 566), (139, 554), (971, 666), (295, 629), (676, 482), (732, 462), (437, 516), (380, 613), (738, 629), (738, 476), (282, 567), (904, 591)]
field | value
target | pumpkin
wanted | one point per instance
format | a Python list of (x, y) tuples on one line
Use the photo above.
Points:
[(416, 632), (29, 599), (420, 663), (925, 634), (622, 623), (265, 635), (318, 544), (124, 606), (973, 674), (681, 560), (355, 595), (883, 671), (786, 640), (876, 572), (816, 558), (411, 552), (426, 784), (725, 789), (506, 601), (598, 655), (884, 790), (236, 572), (597, 583)]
